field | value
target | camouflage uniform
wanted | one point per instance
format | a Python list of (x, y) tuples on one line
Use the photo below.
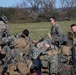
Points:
[(4, 31), (49, 60), (33, 55), (56, 33), (14, 53), (12, 56), (69, 49), (72, 43)]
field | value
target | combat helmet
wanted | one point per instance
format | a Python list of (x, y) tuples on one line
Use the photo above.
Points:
[(4, 18)]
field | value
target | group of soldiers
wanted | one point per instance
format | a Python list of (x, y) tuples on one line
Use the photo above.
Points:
[(20, 55)]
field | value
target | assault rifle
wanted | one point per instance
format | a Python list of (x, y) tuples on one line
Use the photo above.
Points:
[(40, 40)]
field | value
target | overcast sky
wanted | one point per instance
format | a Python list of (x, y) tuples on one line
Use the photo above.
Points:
[(10, 3)]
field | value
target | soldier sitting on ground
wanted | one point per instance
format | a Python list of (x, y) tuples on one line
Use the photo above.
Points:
[(72, 40), (49, 51), (56, 32)]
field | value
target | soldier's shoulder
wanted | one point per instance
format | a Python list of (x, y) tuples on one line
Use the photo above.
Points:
[(1, 22), (57, 25)]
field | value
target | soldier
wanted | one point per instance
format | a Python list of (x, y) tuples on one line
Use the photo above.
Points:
[(4, 33), (72, 40), (24, 33), (4, 30), (33, 55), (49, 56), (56, 32), (73, 29), (22, 43)]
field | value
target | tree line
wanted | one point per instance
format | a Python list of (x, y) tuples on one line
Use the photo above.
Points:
[(40, 10)]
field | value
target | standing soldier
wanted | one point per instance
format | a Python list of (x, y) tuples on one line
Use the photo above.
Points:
[(4, 30), (56, 32)]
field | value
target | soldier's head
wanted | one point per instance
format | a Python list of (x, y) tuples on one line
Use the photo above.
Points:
[(4, 19), (73, 27), (52, 20), (25, 33)]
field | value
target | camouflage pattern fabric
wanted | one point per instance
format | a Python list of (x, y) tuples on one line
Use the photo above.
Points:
[(41, 45), (7, 40), (34, 52), (45, 61), (54, 64), (12, 56), (4, 34), (56, 33), (3, 29)]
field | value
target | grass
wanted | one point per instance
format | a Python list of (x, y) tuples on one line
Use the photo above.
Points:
[(38, 30)]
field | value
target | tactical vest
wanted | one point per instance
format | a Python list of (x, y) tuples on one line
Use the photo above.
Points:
[(17, 69), (65, 50), (72, 36), (22, 44)]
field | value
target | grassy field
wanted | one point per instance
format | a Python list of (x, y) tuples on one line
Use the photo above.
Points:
[(38, 30)]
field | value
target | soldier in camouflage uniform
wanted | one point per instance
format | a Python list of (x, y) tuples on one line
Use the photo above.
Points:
[(49, 57), (4, 33), (56, 32), (14, 53), (4, 30), (72, 40), (5, 37), (68, 52), (25, 33), (33, 55)]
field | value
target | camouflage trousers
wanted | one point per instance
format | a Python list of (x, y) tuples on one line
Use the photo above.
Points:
[(50, 62), (54, 64)]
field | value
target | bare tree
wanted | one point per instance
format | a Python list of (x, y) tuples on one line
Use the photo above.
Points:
[(48, 4), (34, 4), (67, 6)]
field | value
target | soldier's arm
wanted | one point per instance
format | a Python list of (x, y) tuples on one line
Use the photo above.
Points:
[(7, 31), (58, 30)]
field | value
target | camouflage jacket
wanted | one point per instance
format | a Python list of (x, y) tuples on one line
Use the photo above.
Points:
[(4, 30), (56, 33)]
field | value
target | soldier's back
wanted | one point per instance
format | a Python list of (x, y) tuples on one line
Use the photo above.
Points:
[(21, 42)]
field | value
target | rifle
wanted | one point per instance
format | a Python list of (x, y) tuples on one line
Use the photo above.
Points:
[(40, 40)]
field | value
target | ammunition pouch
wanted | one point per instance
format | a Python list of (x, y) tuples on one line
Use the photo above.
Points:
[(65, 50)]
